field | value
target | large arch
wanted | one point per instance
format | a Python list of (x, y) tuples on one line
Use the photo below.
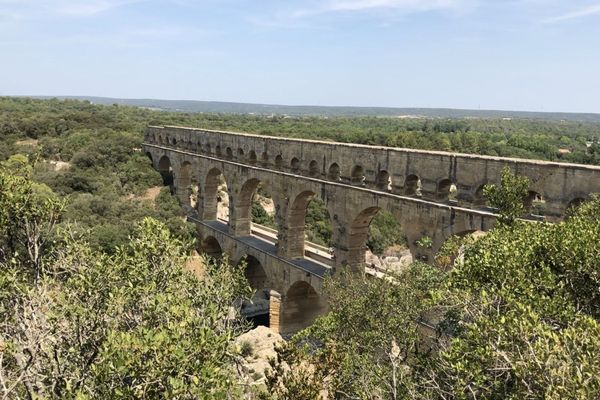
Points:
[(257, 310), (296, 224), (166, 170), (358, 234), (241, 221), (300, 306), (211, 247), (210, 194)]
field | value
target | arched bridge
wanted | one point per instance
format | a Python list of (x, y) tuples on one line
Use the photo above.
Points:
[(432, 194)]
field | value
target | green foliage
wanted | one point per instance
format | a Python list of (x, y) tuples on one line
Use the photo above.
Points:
[(28, 215), (509, 197), (130, 325), (318, 224), (361, 348), (260, 216), (385, 231)]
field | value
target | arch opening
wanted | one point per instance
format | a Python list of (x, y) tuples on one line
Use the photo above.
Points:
[(207, 149), (574, 205), (229, 153), (358, 175), (334, 172), (295, 165), (218, 151), (240, 154), (300, 307), (412, 186), (444, 189), (166, 170), (387, 246), (254, 212), (211, 247), (257, 309), (216, 197), (252, 157), (384, 181), (309, 221)]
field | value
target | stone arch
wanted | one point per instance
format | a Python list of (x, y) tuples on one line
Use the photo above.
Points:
[(358, 175), (207, 148), (211, 247), (278, 161), (412, 185), (383, 181), (255, 273), (293, 245), (252, 157), (295, 164), (210, 194), (166, 170), (229, 153), (240, 153), (300, 306), (334, 172), (443, 189), (359, 233), (241, 220), (218, 151), (313, 168), (258, 309)]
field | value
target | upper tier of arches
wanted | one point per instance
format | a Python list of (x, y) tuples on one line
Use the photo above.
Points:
[(435, 176)]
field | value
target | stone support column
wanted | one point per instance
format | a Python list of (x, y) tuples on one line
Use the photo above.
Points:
[(275, 301)]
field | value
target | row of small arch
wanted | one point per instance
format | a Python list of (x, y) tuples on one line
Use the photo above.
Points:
[(357, 174), (383, 182)]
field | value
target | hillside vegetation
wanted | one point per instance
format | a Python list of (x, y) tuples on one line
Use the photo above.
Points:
[(95, 301)]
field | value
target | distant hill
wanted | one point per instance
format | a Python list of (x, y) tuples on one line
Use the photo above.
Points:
[(333, 111)]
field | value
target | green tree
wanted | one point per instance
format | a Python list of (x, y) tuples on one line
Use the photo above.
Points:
[(509, 196)]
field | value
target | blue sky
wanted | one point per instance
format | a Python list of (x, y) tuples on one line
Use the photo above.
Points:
[(540, 55)]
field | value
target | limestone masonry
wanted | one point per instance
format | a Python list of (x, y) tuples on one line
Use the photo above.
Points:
[(432, 194)]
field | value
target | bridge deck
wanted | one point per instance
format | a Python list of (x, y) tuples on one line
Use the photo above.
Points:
[(307, 265)]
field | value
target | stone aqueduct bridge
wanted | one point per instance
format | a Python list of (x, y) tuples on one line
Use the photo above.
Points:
[(355, 182)]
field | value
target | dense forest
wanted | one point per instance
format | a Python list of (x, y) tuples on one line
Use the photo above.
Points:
[(96, 302)]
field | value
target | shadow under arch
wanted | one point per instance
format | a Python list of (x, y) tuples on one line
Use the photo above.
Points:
[(165, 169), (300, 306), (257, 310), (211, 247)]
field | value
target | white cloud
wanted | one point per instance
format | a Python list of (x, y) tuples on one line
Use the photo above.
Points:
[(32, 9), (593, 9), (408, 6)]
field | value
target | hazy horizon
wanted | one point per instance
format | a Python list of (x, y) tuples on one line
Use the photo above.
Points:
[(530, 55)]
